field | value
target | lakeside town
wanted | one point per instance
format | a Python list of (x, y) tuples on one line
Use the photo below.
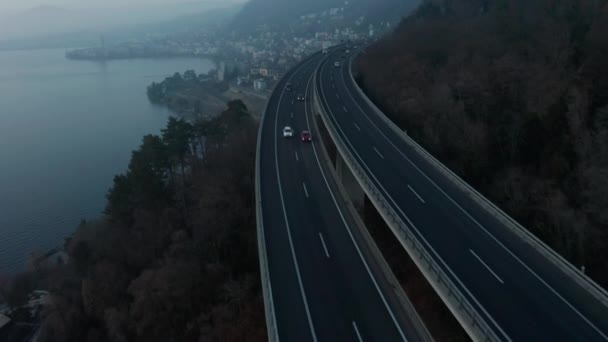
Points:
[(253, 61)]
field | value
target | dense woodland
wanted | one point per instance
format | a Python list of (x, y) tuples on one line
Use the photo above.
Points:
[(513, 96), (174, 258), (190, 94), (282, 14)]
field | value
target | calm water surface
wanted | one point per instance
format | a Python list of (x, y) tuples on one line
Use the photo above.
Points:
[(66, 128)]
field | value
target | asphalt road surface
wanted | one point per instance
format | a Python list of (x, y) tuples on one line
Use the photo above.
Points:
[(325, 286)]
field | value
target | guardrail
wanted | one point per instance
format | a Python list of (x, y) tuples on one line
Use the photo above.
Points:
[(271, 320), (423, 333), (573, 272), (462, 309)]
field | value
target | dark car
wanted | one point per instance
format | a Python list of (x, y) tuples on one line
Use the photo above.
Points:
[(306, 136), (300, 97), (288, 87)]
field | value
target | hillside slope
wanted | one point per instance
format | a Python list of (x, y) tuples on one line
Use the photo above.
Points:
[(282, 12), (174, 258), (513, 96)]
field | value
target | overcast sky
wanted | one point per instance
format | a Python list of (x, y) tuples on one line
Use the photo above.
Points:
[(92, 15), (13, 5)]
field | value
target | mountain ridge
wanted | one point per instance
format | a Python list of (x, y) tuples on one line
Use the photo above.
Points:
[(48, 20), (280, 13)]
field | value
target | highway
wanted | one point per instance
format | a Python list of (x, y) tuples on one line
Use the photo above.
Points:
[(522, 295), (325, 286)]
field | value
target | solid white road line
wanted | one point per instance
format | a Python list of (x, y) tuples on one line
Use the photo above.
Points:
[(415, 193), (305, 189), (324, 245), (357, 127), (486, 265), (289, 238), (344, 108), (297, 158), (357, 331), (380, 154), (484, 229), (369, 272)]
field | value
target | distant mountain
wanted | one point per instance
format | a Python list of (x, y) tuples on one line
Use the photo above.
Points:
[(45, 10), (39, 20), (282, 12), (194, 19), (52, 20)]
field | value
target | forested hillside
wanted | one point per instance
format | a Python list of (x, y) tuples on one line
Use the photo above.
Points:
[(513, 96), (283, 12), (175, 256)]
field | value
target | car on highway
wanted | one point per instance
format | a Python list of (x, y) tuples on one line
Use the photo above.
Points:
[(287, 132), (337, 64), (300, 97), (306, 136), (288, 87), (325, 51), (347, 51)]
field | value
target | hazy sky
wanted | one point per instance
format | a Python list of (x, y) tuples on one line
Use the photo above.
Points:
[(12, 5), (92, 15)]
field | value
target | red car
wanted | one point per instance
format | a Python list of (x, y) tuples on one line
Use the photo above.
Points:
[(306, 136)]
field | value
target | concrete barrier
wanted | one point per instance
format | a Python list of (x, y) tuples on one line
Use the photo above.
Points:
[(271, 320), (477, 327), (396, 288)]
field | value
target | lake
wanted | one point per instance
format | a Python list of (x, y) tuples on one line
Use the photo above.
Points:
[(66, 128)]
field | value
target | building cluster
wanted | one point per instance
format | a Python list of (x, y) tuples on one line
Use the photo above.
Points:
[(255, 60), (260, 59)]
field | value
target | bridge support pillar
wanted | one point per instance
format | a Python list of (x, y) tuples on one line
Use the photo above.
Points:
[(349, 182)]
